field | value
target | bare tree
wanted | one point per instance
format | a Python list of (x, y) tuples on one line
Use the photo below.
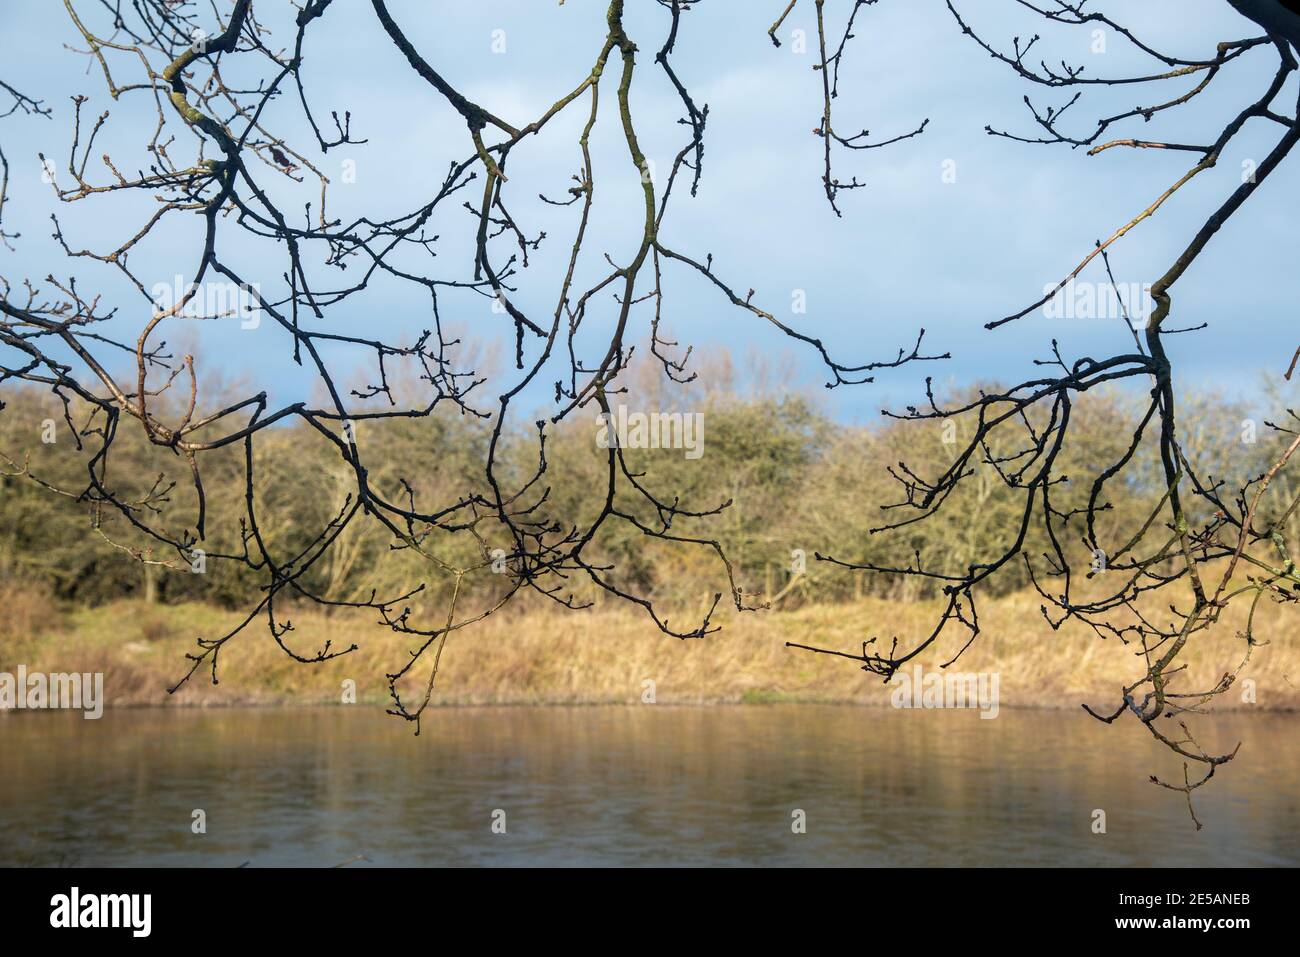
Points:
[(211, 156), (160, 53), (1204, 544)]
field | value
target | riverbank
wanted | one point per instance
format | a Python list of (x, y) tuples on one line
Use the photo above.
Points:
[(615, 655)]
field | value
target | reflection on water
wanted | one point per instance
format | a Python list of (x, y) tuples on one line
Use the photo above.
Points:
[(652, 785)]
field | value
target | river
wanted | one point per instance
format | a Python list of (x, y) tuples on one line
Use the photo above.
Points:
[(647, 785)]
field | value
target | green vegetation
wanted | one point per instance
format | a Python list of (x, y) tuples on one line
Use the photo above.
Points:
[(76, 594), (796, 480)]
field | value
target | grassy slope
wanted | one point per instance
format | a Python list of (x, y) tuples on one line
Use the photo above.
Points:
[(605, 656)]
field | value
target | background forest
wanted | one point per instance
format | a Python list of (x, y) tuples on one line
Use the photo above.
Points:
[(798, 482)]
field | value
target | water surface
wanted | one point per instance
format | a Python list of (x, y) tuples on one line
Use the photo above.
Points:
[(647, 785)]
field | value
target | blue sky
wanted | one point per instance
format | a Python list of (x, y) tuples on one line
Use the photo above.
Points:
[(910, 251)]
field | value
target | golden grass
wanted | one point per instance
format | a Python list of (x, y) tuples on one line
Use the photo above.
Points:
[(546, 656)]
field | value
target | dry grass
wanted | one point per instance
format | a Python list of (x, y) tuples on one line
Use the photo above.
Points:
[(543, 656), (24, 610)]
